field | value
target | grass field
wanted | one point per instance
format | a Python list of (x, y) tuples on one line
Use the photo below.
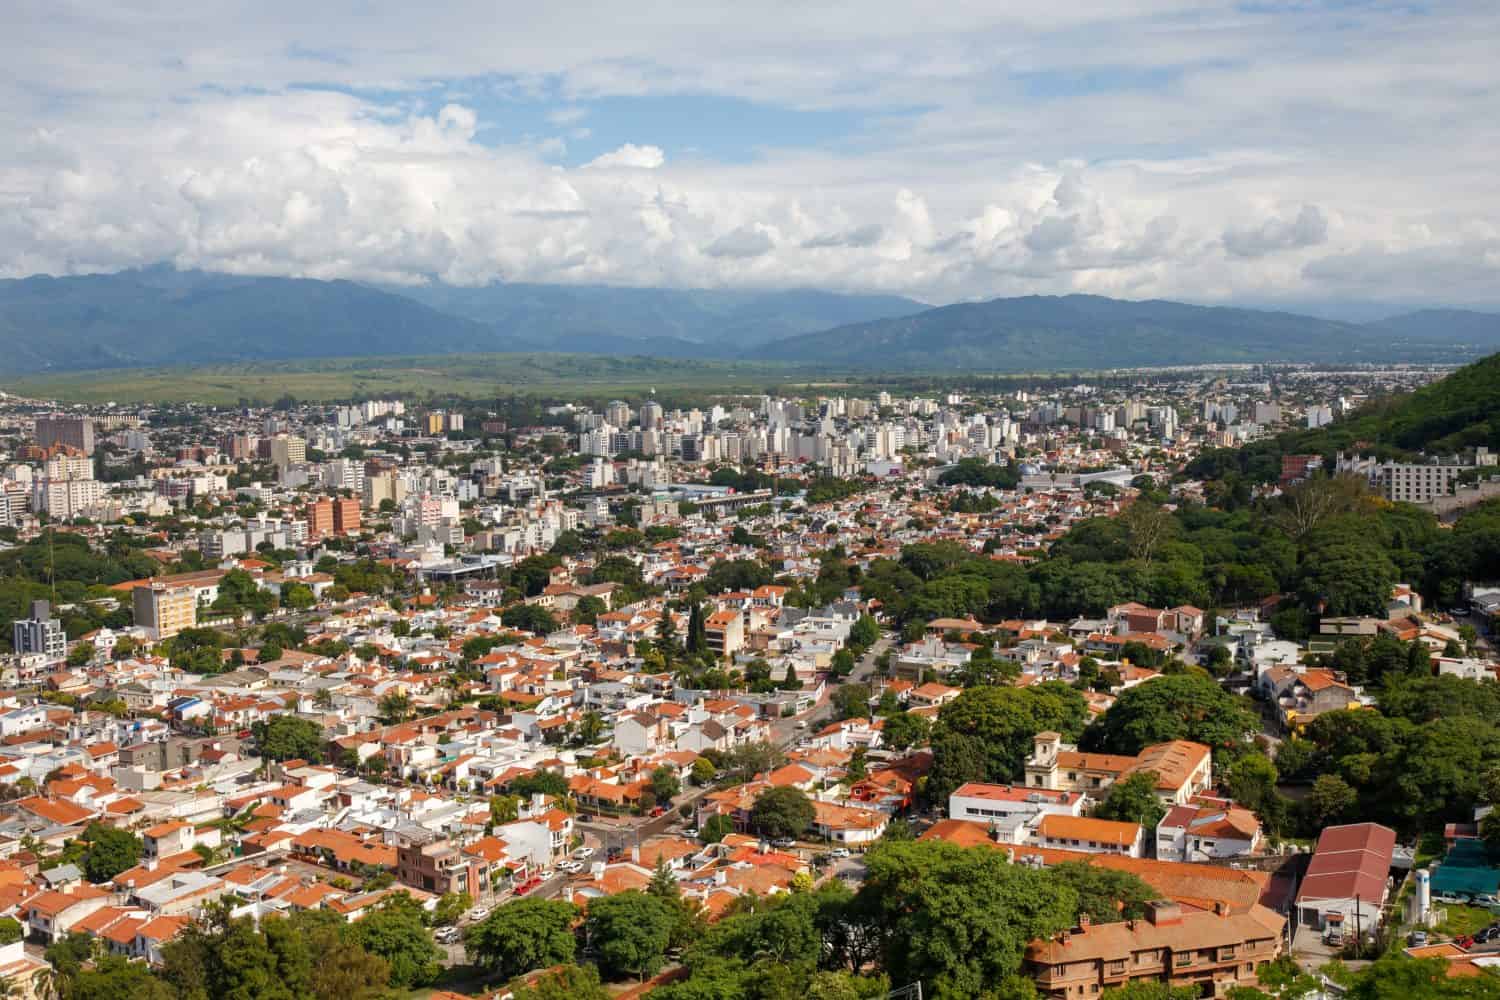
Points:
[(473, 375)]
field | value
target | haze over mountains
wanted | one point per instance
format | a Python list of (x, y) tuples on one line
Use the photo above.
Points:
[(159, 316)]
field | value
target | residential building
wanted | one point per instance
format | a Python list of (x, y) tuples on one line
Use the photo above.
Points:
[(345, 516), (163, 609), (73, 432), (1210, 951), (41, 634), (1183, 769), (1089, 835), (1207, 830)]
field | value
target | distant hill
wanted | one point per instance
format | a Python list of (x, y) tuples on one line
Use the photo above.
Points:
[(687, 323), (1082, 331), (1448, 326), (159, 316)]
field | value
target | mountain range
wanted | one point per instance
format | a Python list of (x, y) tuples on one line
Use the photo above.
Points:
[(160, 316)]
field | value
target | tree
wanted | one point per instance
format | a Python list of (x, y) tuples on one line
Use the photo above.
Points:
[(1133, 800), (957, 920), (630, 932), (110, 852), (113, 977), (1005, 721), (904, 730), (287, 737), (852, 701), (588, 609), (1146, 526), (1187, 706), (1305, 506), (715, 829), (504, 808), (450, 908), (529, 618), (545, 782), (782, 812), (697, 633), (299, 597), (81, 655), (590, 728), (396, 933), (703, 771), (1104, 894), (1251, 781), (957, 759), (665, 784), (1151, 991), (395, 708), (864, 633), (570, 982), (523, 935)]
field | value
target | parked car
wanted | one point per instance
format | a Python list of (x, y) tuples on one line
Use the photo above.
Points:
[(691, 831), (840, 852), (1486, 899), (784, 842), (478, 913), (1416, 939), (583, 852), (658, 811), (447, 935), (1450, 899)]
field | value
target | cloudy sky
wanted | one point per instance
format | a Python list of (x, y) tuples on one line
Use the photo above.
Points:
[(1302, 152)]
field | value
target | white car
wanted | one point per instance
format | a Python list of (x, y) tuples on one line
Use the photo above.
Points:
[(478, 913), (840, 852), (583, 852)]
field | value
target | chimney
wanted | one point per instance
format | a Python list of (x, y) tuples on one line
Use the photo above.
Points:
[(1083, 922), (1221, 908), (635, 854)]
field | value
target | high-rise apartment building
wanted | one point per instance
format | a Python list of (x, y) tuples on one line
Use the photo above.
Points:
[(319, 518), (164, 610), (346, 516), (75, 432), (40, 634), (287, 450), (650, 415), (617, 413)]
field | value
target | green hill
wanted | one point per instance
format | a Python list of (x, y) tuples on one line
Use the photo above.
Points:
[(1089, 331)]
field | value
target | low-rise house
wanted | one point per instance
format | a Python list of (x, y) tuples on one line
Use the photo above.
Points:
[(1209, 951), (1206, 830), (1089, 835), (1183, 769)]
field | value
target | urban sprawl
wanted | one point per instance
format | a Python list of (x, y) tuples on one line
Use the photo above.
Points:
[(744, 695)]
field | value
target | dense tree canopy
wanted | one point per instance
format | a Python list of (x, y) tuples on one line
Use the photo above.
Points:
[(1186, 706)]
